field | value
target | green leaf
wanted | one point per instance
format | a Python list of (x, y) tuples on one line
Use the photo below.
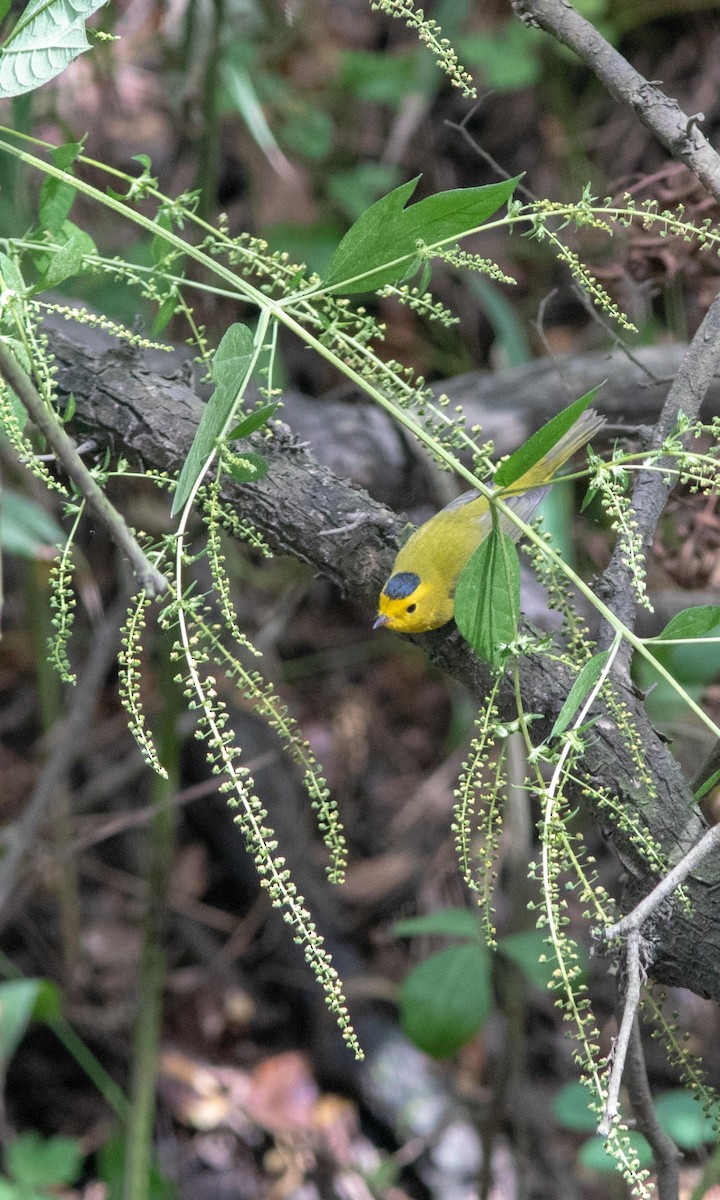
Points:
[(571, 1108), (579, 691), (452, 922), (164, 315), (355, 190), (25, 527), (64, 156), (37, 1163), (252, 422), (46, 39), (245, 468), (21, 1001), (56, 200), (511, 346), (447, 998), (365, 74), (531, 953), (691, 623), (595, 1157), (683, 1118), (10, 276), (508, 60), (381, 244), (487, 597), (67, 260), (537, 446), (57, 196), (231, 364)]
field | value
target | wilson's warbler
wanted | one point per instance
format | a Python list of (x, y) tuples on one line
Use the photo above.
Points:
[(419, 594)]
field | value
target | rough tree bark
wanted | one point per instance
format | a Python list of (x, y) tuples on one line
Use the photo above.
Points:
[(305, 509)]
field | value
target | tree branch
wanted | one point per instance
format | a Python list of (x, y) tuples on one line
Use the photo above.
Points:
[(152, 420), (678, 132)]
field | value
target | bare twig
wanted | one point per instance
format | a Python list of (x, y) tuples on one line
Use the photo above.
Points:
[(629, 1015), (633, 921), (665, 1152), (662, 115), (149, 578)]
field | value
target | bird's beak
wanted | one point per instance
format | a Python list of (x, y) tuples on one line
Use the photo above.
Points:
[(380, 621)]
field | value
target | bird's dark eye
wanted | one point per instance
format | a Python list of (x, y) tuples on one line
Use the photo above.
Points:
[(411, 608)]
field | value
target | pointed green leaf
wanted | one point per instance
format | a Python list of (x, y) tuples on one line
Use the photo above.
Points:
[(68, 259), (694, 622), (383, 242), (57, 196), (47, 37), (537, 446), (487, 597), (252, 422), (21, 1001), (231, 363), (10, 276), (447, 998), (450, 922), (56, 200), (579, 691)]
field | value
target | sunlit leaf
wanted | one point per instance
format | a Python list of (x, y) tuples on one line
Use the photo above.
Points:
[(381, 244), (694, 622), (47, 37)]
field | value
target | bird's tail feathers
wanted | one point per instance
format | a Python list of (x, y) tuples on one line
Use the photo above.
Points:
[(544, 471)]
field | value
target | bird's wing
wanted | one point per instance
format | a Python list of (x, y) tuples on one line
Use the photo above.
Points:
[(525, 506)]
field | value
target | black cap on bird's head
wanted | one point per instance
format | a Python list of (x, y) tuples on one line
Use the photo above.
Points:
[(401, 585)]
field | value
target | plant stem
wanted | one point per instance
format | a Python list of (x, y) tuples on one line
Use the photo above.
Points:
[(62, 446)]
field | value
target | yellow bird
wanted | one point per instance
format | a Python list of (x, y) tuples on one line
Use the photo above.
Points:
[(419, 594)]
